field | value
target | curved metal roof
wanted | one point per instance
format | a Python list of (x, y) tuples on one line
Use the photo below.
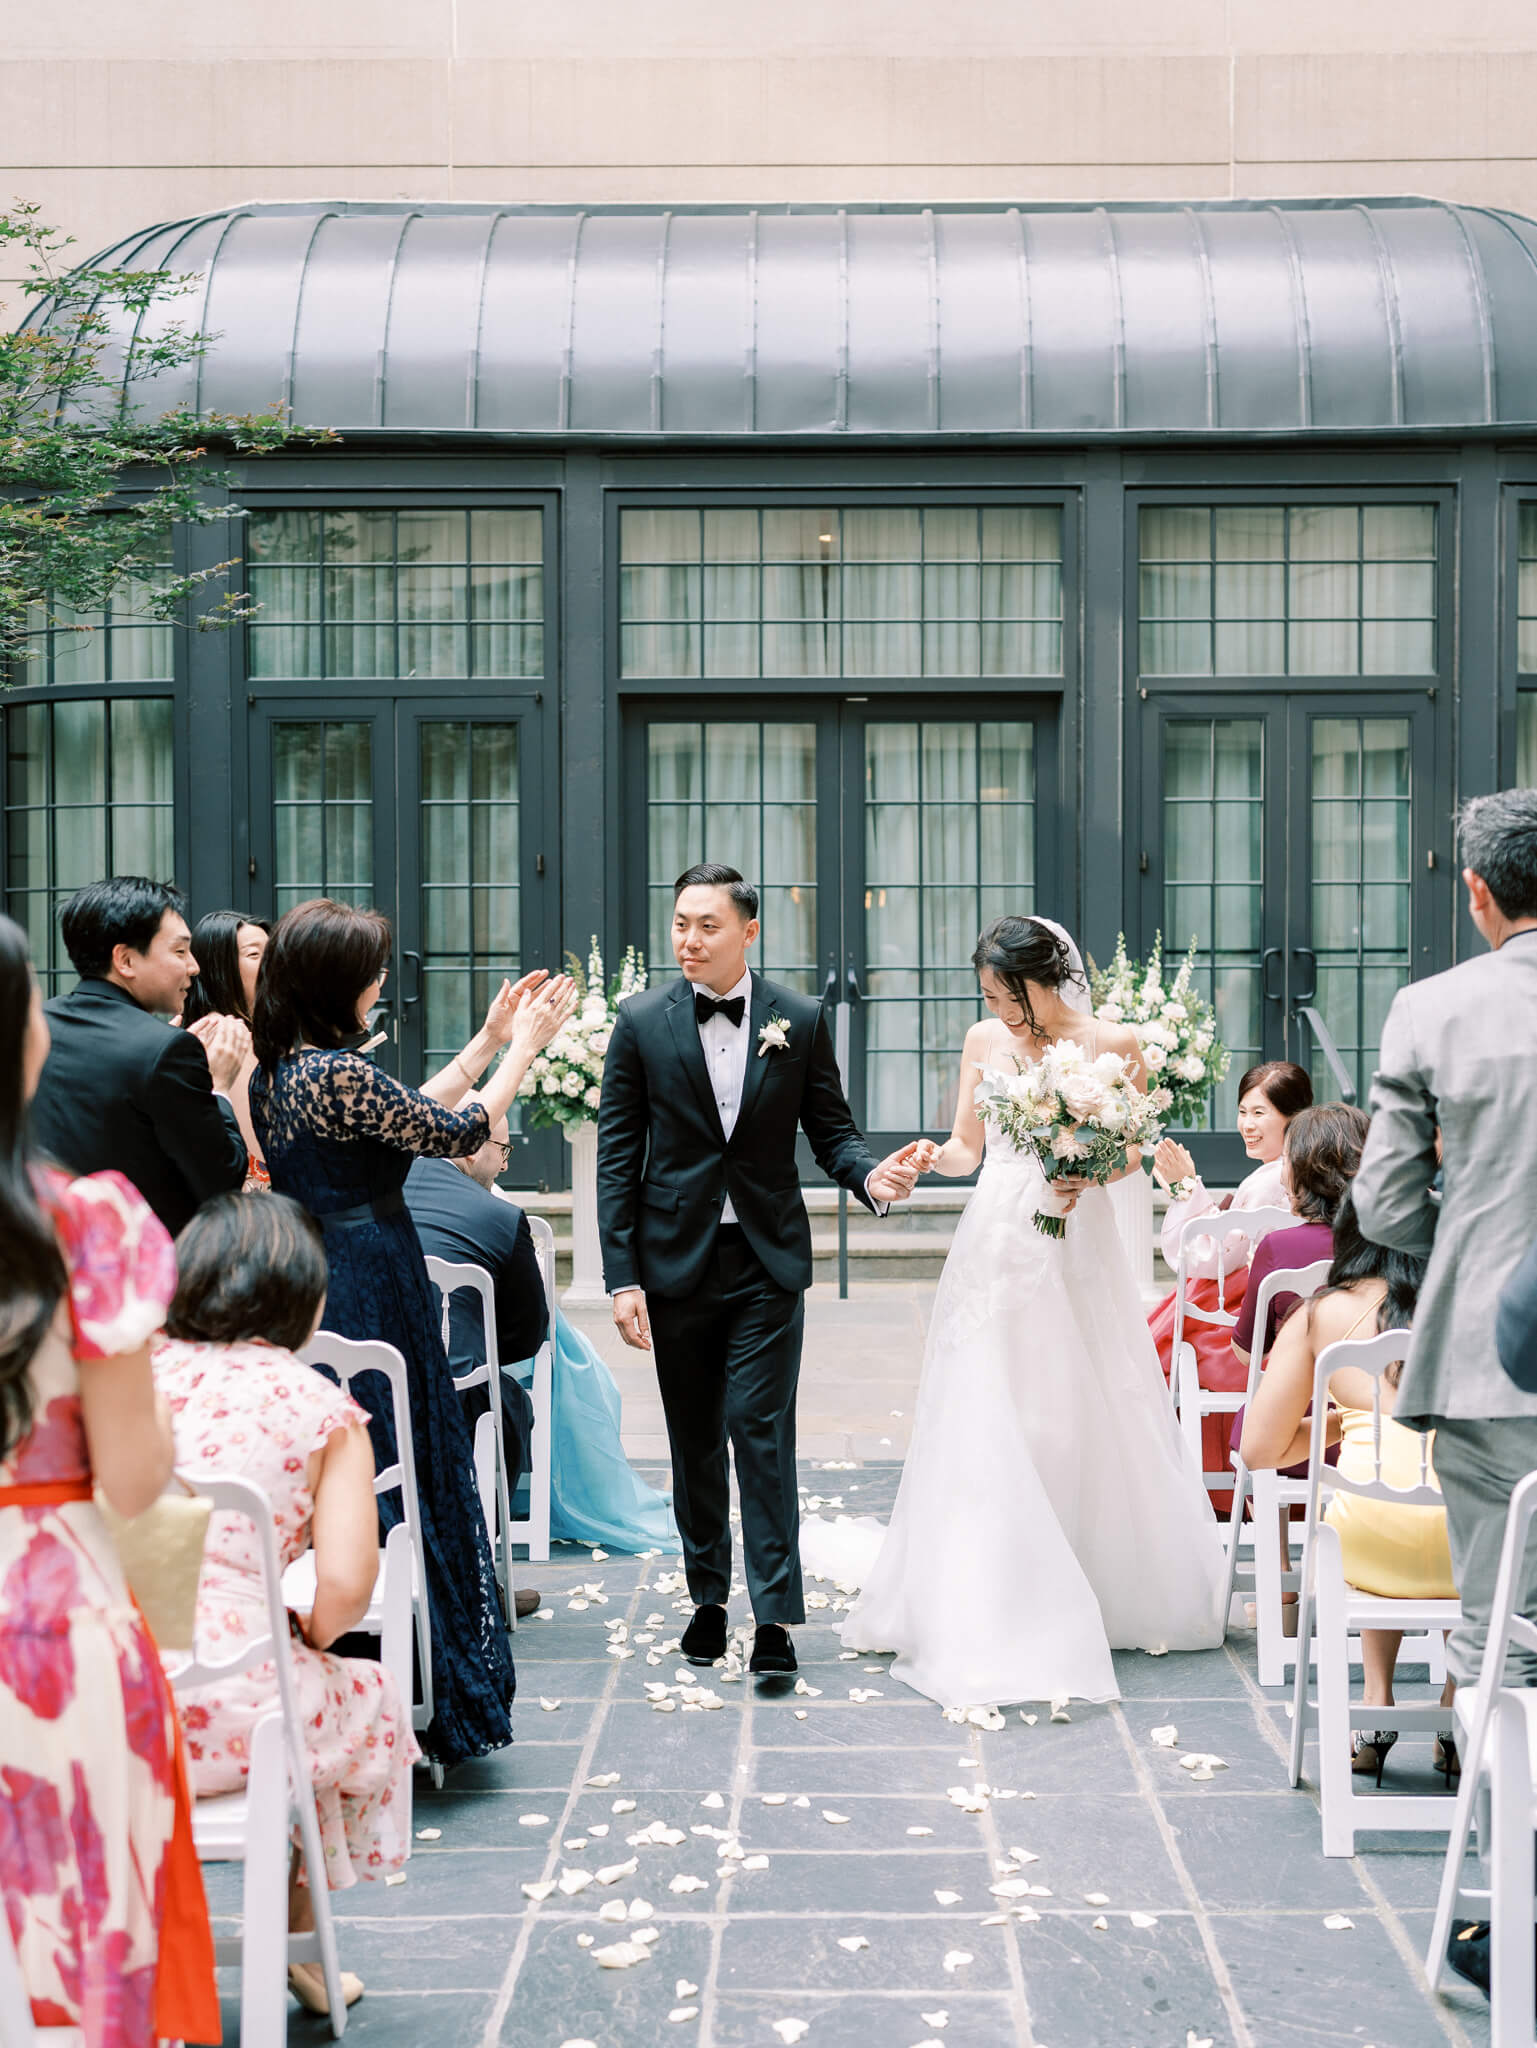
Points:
[(860, 322)]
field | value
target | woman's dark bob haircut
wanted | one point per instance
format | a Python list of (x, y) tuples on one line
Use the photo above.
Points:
[(250, 1267), (321, 957), (1021, 950), (1285, 1086), (217, 989), (1323, 1150)]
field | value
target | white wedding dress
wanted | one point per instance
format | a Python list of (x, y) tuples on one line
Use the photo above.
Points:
[(1049, 1510)]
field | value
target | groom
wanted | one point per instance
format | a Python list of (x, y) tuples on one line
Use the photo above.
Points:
[(706, 1241)]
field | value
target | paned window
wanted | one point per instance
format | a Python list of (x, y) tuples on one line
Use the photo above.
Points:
[(1526, 739), (471, 864), (791, 592), (1287, 590), (322, 811), (88, 793), (119, 644), (433, 594), (742, 792), (1526, 592)]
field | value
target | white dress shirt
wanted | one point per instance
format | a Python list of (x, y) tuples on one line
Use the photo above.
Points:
[(725, 1055), (726, 1047)]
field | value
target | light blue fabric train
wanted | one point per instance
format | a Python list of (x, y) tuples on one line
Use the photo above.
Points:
[(595, 1495)]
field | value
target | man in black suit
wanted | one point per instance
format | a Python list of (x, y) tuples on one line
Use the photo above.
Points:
[(706, 1242), (458, 1218), (121, 1088)]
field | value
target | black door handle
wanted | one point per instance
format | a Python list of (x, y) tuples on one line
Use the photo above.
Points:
[(830, 988), (1272, 995), (856, 993), (1305, 995), (408, 1002)]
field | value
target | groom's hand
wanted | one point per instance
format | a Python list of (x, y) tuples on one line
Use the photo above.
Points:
[(896, 1176), (630, 1318)]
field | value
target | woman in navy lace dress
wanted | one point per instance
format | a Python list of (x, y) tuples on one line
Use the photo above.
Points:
[(339, 1136)]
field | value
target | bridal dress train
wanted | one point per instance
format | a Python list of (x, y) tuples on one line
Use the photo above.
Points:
[(1049, 1511)]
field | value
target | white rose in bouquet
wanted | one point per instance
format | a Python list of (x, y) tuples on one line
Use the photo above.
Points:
[(572, 1085), (549, 1085), (565, 1084), (600, 1041), (1154, 1057), (1083, 1094), (593, 1097)]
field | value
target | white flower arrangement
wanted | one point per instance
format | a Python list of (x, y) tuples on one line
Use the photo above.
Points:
[(565, 1083), (1176, 1027), (1079, 1116), (774, 1036)]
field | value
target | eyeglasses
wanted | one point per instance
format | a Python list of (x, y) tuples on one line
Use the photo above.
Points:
[(505, 1148)]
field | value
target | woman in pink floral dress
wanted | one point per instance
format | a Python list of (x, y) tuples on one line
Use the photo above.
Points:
[(89, 1805), (251, 1289)]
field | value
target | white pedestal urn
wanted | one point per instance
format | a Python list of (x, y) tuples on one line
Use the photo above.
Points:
[(1132, 1201), (586, 1256)]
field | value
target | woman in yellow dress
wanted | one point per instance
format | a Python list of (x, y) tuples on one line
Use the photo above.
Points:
[(1397, 1552)]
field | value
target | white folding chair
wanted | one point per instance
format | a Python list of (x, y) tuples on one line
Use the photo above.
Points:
[(490, 1431), (534, 1527), (1194, 1401), (16, 2029), (252, 1827), (1497, 1739), (399, 1606), (1342, 1611), (1272, 1494)]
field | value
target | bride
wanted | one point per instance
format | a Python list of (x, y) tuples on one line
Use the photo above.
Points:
[(1048, 1511)]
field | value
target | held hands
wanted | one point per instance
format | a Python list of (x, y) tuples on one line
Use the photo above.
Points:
[(897, 1175), (631, 1320), (227, 1043)]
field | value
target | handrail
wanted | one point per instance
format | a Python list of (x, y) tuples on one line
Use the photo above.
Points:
[(1329, 1049)]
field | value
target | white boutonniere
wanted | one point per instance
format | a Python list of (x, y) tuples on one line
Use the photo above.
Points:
[(774, 1036)]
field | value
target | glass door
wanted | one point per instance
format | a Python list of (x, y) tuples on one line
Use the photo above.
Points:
[(1287, 837), (882, 835), (429, 809)]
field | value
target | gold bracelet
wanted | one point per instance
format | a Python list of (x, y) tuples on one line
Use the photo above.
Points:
[(458, 1061)]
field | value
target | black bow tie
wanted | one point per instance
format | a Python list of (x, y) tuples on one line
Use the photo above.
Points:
[(729, 1007)]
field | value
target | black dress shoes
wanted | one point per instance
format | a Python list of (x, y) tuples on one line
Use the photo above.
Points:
[(705, 1637), (772, 1651)]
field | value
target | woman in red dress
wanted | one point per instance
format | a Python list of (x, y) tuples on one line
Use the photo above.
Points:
[(99, 1875), (1269, 1096)]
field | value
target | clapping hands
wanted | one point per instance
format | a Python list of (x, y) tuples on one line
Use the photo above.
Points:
[(527, 1014), (227, 1043)]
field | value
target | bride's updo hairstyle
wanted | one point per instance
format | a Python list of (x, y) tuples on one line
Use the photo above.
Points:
[(1021, 950)]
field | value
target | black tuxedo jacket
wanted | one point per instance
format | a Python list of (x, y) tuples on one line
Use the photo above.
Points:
[(123, 1089), (666, 1167)]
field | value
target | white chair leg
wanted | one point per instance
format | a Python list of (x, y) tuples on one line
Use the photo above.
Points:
[(1270, 1643), (485, 1474), (264, 1904), (1511, 1973), (1335, 1780)]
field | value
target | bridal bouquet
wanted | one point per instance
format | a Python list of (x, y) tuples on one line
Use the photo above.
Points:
[(1077, 1115), (565, 1083), (1176, 1026)]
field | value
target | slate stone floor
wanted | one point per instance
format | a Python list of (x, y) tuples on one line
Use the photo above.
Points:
[(872, 1929)]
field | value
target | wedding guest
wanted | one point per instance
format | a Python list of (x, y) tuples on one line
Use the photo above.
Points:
[(1269, 1096), (229, 946), (1458, 1052), (98, 1870), (251, 1287), (339, 1136), (121, 1091), (1319, 1160), (1397, 1552), (595, 1495)]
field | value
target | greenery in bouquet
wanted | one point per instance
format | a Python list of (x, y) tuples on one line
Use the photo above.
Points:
[(1079, 1116), (1176, 1026), (565, 1083)]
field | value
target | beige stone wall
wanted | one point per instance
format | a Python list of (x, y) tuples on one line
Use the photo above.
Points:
[(114, 115)]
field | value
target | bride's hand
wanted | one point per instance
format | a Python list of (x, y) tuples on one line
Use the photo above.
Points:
[(925, 1155)]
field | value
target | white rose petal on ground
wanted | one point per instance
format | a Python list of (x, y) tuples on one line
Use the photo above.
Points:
[(755, 1863), (800, 1713), (549, 1706), (682, 1884), (836, 1820), (573, 1881), (1101, 1925), (683, 1990), (1028, 1719), (853, 1943), (615, 1909), (773, 1798), (957, 1959), (612, 1872), (622, 1955), (940, 2019), (578, 2044), (533, 1820), (791, 2031), (1024, 1856), (641, 1909), (1096, 1898), (1338, 1923), (598, 1827), (1192, 2042), (948, 1898), (1165, 1737), (920, 1831), (577, 1606), (544, 1614), (713, 1800), (396, 1877), (1144, 1919), (540, 1889), (623, 1806), (801, 1800), (574, 1844), (429, 1834), (585, 1940), (683, 2012)]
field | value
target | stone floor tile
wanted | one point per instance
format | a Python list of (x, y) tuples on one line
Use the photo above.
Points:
[(526, 1766), (1408, 1867), (829, 1880), (683, 1750), (876, 1821), (763, 1954), (835, 1771), (561, 1994), (1231, 1729), (867, 2019), (1125, 1987), (1093, 1844), (487, 1820), (472, 1881), (1255, 1850), (1180, 1675), (837, 1723), (441, 1955), (1298, 1983), (1462, 2001), (412, 2019), (1085, 1754)]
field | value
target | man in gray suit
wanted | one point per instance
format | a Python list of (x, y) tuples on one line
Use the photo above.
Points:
[(1459, 1054)]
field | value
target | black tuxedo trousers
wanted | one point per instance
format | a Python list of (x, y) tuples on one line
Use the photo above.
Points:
[(725, 1302)]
